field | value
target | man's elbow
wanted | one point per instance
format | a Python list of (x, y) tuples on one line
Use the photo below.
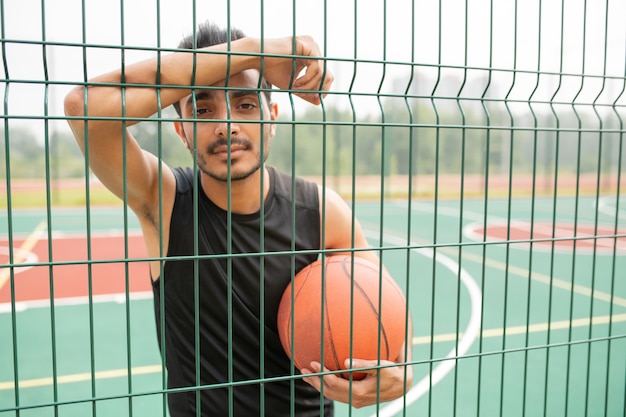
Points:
[(74, 103)]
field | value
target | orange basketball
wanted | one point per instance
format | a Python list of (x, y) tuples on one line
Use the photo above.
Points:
[(362, 311)]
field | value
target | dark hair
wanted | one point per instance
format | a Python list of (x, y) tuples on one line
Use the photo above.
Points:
[(210, 34)]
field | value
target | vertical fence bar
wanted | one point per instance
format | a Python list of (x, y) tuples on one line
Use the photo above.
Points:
[(436, 194), (555, 202), (616, 223), (88, 231), (10, 232), (485, 201), (535, 141), (262, 121), (383, 179), (47, 148), (196, 262), (161, 330), (324, 219), (599, 172), (579, 118), (509, 210), (463, 172), (293, 116), (412, 169), (353, 171), (124, 133), (262, 149), (555, 192), (229, 223)]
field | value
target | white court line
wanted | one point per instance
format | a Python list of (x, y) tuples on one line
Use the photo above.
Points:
[(439, 372), (86, 376), (419, 340), (521, 272), (466, 340), (23, 252), (608, 206), (416, 392), (75, 301), (443, 368), (527, 329), (603, 245), (21, 256), (546, 279)]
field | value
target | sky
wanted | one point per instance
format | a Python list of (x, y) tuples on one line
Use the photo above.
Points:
[(573, 37)]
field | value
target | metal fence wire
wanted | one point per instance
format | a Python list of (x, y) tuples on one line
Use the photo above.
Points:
[(479, 144)]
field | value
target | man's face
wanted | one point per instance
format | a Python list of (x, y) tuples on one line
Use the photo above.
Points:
[(217, 127)]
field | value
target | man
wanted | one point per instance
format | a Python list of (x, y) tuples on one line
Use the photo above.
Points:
[(225, 305)]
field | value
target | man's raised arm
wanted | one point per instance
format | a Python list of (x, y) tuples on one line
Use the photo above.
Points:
[(100, 111)]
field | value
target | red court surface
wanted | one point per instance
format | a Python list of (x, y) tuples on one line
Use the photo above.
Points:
[(583, 237), (76, 274), (72, 272)]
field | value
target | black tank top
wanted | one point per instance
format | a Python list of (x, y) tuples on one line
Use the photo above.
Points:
[(233, 289)]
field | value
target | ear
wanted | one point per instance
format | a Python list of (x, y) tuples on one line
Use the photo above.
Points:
[(180, 131), (273, 116)]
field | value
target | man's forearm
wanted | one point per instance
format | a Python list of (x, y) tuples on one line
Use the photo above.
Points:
[(176, 73)]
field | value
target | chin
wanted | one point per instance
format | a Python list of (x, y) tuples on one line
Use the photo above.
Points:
[(235, 174)]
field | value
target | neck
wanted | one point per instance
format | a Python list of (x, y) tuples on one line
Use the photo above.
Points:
[(245, 195)]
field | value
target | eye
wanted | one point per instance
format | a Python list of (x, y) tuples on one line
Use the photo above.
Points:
[(248, 106), (202, 111)]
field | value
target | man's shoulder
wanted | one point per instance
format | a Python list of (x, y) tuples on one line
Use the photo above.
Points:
[(184, 178), (290, 186)]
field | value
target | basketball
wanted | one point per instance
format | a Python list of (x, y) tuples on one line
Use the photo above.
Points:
[(363, 313)]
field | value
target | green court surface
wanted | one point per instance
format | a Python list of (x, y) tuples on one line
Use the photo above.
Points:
[(530, 323)]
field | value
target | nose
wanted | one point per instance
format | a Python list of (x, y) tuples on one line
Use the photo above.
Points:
[(226, 125)]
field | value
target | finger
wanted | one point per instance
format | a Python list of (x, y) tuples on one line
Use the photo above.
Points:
[(309, 380), (310, 97), (319, 86), (330, 381), (315, 381), (311, 78), (371, 367)]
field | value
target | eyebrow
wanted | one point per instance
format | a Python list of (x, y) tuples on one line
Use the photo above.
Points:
[(210, 95)]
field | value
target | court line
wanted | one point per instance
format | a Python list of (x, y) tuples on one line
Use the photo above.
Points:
[(425, 384), (82, 377), (535, 276), (418, 340), (478, 217), (526, 329), (119, 298), (26, 247), (605, 206), (605, 244), (438, 373), (463, 343), (546, 279), (453, 337), (521, 272)]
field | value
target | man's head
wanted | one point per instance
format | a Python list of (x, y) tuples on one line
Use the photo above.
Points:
[(210, 34), (228, 124)]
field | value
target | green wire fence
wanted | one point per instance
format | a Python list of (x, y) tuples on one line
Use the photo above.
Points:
[(480, 144)]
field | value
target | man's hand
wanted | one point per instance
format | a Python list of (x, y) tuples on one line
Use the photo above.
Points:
[(367, 391), (286, 72)]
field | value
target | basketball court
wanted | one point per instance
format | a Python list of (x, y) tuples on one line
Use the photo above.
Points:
[(530, 323)]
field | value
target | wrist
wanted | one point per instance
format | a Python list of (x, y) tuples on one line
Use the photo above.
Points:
[(246, 45)]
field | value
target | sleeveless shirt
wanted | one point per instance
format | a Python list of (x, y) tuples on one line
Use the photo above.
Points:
[(224, 296)]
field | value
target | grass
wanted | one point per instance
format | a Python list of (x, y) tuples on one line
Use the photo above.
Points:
[(71, 192), (62, 197)]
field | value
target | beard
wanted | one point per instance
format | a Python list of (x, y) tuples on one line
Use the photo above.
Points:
[(236, 173)]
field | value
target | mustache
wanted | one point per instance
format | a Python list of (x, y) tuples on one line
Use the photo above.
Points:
[(233, 141)]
